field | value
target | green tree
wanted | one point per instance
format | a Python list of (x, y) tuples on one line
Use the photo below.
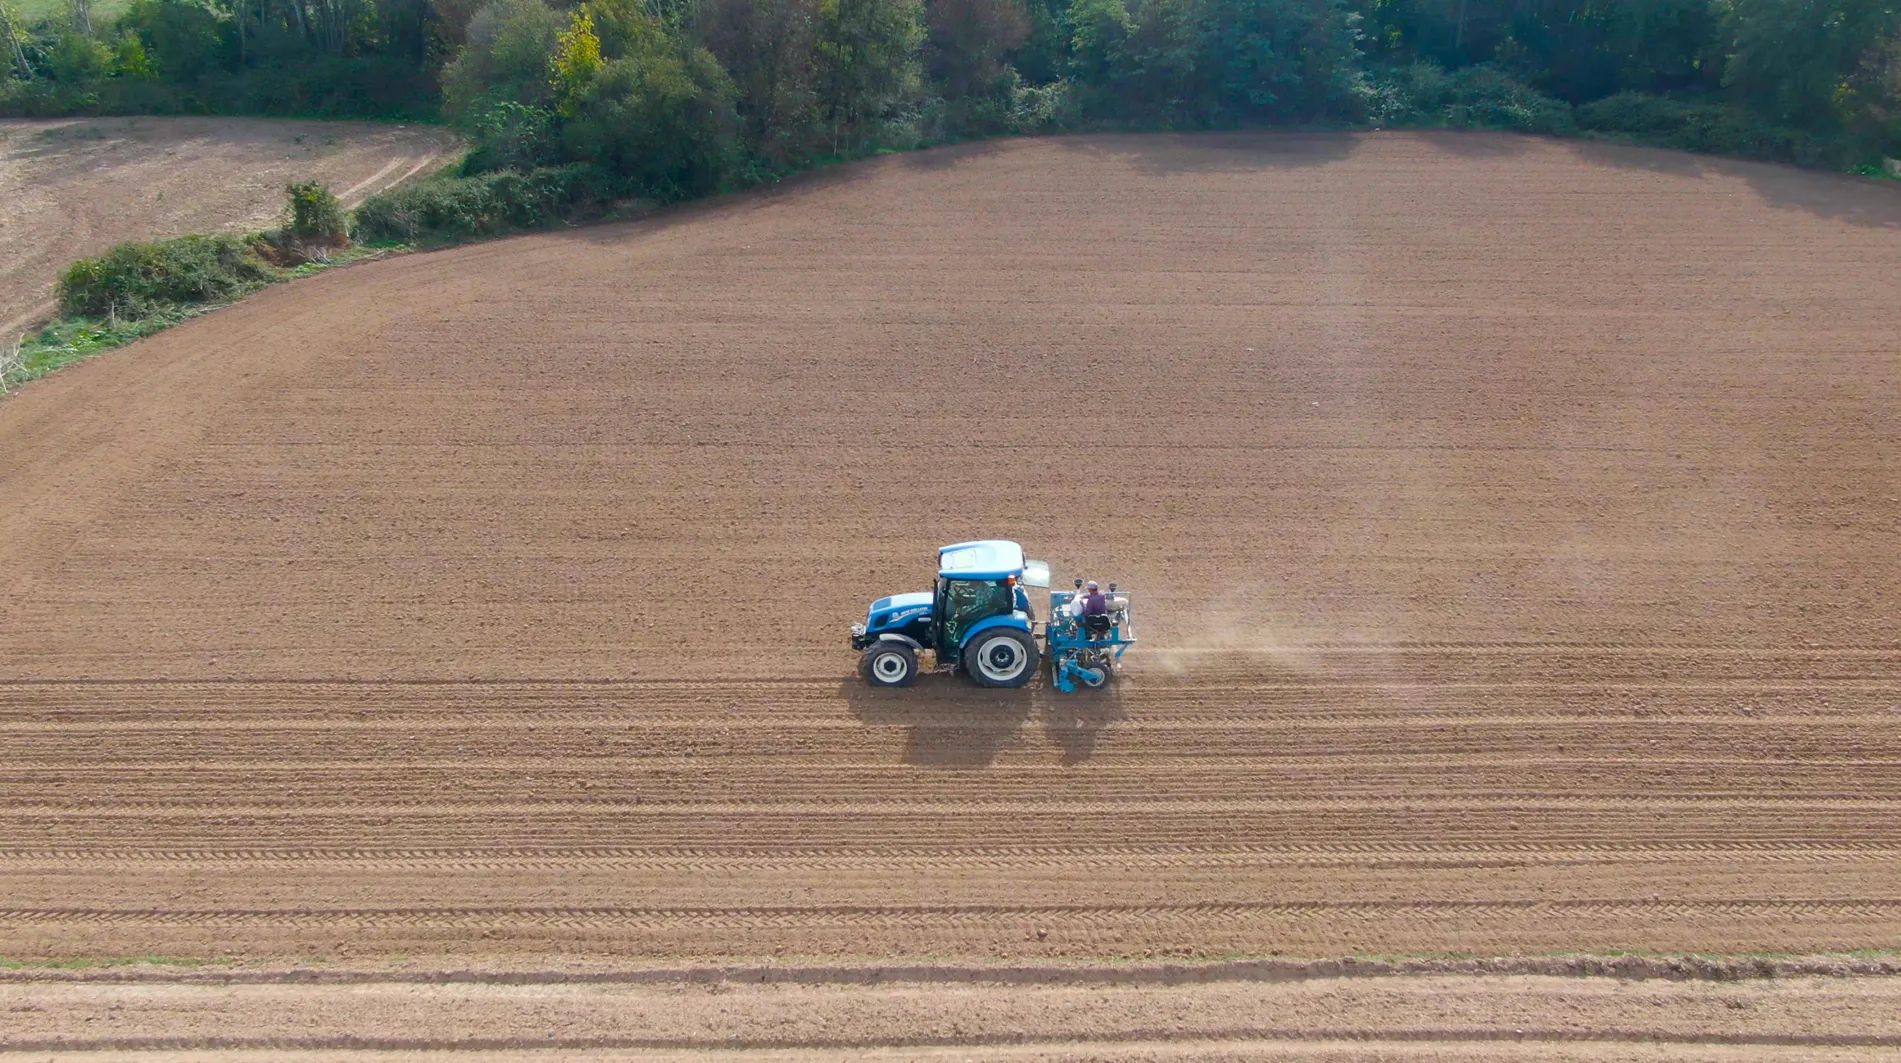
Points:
[(767, 47), (506, 58), (77, 59), (867, 65), (970, 42), (575, 63), (13, 39), (1278, 60), (660, 115), (1793, 59), (184, 40)]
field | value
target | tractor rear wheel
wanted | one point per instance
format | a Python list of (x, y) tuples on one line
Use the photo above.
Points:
[(889, 664), (1001, 657)]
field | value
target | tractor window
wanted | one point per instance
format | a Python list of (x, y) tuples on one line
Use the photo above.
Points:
[(967, 601)]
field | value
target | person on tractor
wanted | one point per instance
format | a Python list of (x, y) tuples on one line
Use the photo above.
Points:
[(1094, 609)]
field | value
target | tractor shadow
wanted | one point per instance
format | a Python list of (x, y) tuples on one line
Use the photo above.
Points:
[(952, 725)]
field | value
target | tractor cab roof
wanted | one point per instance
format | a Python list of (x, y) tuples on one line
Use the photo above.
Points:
[(983, 559)]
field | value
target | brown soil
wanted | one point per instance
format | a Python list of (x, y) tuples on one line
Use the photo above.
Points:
[(74, 187), (1512, 525), (1443, 1017)]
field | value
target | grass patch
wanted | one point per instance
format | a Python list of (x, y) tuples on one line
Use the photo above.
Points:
[(74, 339)]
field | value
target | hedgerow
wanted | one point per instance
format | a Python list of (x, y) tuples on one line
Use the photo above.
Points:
[(136, 279), (451, 207)]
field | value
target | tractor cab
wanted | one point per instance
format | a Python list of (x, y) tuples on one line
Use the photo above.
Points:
[(977, 617)]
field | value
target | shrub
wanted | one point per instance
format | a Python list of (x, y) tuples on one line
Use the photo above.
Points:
[(316, 218), (1714, 128), (77, 59), (1475, 97), (510, 136), (138, 279), (460, 208)]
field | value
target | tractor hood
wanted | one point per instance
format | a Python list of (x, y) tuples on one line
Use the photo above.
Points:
[(888, 614)]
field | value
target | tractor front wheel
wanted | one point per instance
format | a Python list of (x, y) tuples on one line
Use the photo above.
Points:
[(889, 664), (1001, 657)]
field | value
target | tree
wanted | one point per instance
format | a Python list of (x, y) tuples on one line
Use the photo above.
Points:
[(767, 47), (970, 42), (867, 64), (661, 115), (1793, 59), (13, 37), (506, 58), (576, 62), (1278, 60), (183, 40)]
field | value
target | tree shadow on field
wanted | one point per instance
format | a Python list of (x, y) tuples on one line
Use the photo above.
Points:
[(1474, 143), (948, 156), (1163, 154), (952, 725), (1866, 202)]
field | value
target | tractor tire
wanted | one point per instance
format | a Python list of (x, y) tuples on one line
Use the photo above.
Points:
[(889, 664), (1001, 657)]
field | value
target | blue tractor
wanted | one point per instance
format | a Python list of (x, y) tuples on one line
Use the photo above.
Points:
[(979, 619)]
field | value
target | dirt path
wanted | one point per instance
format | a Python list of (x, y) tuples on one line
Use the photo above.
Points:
[(1513, 527), (73, 187)]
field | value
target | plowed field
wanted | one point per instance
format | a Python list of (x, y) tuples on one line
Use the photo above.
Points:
[(1512, 527), (72, 187)]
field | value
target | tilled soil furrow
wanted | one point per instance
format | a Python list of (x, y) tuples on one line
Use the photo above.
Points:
[(503, 783), (1856, 908), (1017, 859)]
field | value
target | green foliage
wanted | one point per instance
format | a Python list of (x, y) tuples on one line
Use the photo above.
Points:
[(1188, 63), (136, 280), (969, 45), (185, 40), (662, 119), (1716, 128), (866, 65), (75, 339), (510, 136), (130, 59), (13, 37), (506, 59), (78, 60), (1478, 97), (575, 63), (1792, 59), (449, 208), (316, 217), (1277, 60), (767, 48)]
